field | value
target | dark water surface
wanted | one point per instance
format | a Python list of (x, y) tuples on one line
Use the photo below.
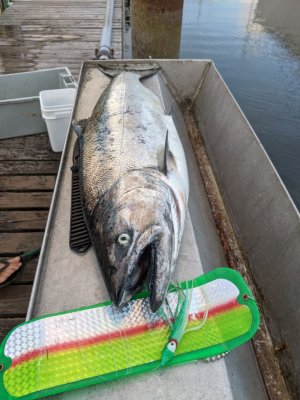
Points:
[(260, 70)]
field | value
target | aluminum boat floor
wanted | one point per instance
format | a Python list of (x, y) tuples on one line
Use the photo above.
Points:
[(68, 280)]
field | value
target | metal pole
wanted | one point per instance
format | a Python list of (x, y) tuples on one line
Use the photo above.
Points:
[(105, 51)]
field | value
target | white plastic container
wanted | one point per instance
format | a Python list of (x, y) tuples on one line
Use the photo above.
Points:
[(56, 107), (20, 112)]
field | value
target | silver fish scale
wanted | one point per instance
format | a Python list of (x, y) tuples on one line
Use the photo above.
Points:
[(134, 313), (91, 323), (126, 132)]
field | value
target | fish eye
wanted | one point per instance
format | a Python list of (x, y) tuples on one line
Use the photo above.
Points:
[(123, 239), (172, 346)]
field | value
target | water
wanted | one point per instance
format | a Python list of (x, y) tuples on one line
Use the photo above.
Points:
[(260, 70)]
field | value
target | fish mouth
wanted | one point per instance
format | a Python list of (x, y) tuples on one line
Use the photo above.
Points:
[(135, 280), (160, 271), (151, 267)]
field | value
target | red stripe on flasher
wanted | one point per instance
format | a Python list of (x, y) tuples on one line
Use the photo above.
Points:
[(45, 351), (219, 309)]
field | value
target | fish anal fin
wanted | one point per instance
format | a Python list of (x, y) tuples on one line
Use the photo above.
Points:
[(80, 126)]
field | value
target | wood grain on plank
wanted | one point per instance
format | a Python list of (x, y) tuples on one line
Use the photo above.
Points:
[(27, 183), (52, 8), (33, 47), (13, 221), (26, 167), (11, 200), (14, 300), (76, 33), (32, 147), (14, 243)]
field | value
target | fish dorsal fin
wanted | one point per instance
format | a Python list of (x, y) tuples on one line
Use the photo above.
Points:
[(80, 126), (169, 162)]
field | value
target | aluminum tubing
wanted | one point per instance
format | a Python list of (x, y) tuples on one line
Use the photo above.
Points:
[(105, 42)]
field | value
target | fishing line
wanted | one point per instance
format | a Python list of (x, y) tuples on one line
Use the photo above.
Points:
[(130, 348), (206, 303), (125, 346), (110, 340), (78, 330), (180, 300), (164, 315), (174, 315), (78, 345)]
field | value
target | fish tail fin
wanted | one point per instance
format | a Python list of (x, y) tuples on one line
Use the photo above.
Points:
[(142, 70)]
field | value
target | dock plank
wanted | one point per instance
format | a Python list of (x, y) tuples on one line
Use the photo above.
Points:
[(16, 242), (12, 201), (24, 183), (26, 167), (15, 221), (16, 300), (33, 37), (32, 147)]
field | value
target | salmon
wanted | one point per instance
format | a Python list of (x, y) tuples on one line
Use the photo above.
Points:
[(134, 186)]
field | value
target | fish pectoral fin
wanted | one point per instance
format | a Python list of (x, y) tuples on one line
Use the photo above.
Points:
[(79, 126), (167, 161)]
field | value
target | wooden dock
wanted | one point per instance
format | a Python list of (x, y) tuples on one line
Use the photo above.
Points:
[(37, 34)]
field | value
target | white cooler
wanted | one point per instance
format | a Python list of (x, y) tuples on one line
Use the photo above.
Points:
[(57, 106)]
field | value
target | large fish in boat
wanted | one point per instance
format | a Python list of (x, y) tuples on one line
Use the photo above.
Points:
[(134, 186)]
